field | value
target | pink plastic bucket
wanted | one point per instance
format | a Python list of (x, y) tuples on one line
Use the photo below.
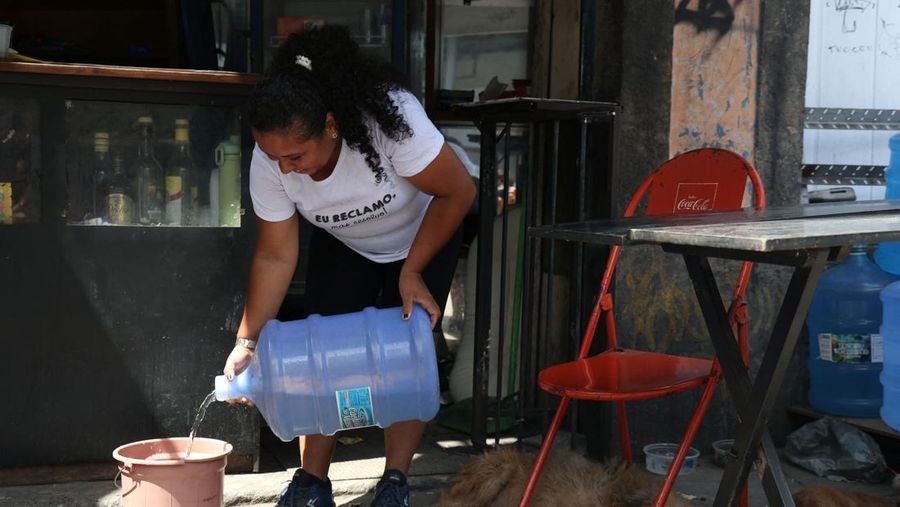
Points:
[(155, 472)]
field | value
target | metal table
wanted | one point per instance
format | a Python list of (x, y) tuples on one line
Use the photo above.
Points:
[(804, 237)]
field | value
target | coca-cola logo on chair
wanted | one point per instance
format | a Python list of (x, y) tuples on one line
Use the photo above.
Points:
[(695, 197)]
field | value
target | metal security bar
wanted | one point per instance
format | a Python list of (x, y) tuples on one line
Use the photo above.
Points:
[(495, 119), (852, 119), (839, 118), (824, 174)]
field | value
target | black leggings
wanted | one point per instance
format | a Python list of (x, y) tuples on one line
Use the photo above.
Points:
[(339, 280)]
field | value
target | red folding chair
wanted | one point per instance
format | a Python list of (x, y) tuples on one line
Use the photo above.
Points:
[(694, 182)]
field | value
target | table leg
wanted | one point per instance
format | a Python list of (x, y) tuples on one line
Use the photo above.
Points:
[(754, 401), (773, 481), (487, 195)]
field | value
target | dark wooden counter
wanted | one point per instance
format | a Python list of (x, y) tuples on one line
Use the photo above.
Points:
[(115, 77), (77, 69)]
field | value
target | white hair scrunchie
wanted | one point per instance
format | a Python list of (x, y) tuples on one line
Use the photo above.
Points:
[(304, 61)]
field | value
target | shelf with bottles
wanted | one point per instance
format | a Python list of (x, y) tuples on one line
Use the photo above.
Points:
[(20, 161), (132, 164)]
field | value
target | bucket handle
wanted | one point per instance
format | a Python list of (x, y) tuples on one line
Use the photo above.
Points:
[(118, 483)]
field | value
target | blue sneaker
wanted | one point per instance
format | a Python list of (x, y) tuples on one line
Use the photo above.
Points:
[(306, 490), (391, 490)]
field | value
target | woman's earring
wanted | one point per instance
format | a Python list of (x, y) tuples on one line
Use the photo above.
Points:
[(334, 134)]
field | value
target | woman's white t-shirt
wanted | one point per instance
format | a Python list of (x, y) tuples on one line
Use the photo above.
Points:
[(379, 221)]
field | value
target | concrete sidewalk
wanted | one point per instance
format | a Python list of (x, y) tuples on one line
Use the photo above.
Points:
[(357, 467), (240, 490)]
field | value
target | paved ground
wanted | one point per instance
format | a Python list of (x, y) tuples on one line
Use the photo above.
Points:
[(357, 467)]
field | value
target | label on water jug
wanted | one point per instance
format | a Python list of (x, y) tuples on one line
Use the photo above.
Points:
[(851, 348), (355, 407)]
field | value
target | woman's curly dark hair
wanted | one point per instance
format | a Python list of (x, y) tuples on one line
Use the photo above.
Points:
[(351, 86)]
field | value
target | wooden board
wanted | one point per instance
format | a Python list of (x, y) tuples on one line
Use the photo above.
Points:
[(872, 425)]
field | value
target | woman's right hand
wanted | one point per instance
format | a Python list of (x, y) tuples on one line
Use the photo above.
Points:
[(237, 361)]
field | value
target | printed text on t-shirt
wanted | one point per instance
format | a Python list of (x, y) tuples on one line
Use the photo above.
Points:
[(357, 212)]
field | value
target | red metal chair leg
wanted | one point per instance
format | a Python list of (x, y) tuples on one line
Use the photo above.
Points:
[(624, 433), (545, 451), (689, 435), (745, 497)]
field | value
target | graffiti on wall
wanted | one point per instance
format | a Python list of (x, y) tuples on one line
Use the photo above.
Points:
[(714, 76), (713, 15), (849, 9)]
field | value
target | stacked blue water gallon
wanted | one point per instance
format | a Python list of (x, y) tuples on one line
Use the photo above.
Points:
[(888, 257), (888, 254), (890, 377), (846, 349)]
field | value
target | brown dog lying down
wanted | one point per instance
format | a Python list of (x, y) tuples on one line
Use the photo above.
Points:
[(497, 479), (829, 496)]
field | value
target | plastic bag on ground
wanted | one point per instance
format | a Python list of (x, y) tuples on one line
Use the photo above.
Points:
[(837, 451)]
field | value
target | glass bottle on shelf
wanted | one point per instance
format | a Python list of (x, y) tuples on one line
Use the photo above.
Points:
[(100, 176), (149, 177), (119, 201), (181, 187), (228, 158)]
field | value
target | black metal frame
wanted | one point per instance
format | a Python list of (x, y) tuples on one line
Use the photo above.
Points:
[(487, 117), (754, 399)]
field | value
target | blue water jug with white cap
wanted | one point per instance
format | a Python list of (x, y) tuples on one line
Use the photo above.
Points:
[(890, 375), (888, 254), (321, 375), (845, 346)]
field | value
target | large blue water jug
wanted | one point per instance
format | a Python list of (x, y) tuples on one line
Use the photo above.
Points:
[(845, 347), (890, 377), (327, 374), (888, 254)]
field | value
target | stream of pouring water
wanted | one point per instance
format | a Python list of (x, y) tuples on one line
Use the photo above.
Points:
[(201, 412)]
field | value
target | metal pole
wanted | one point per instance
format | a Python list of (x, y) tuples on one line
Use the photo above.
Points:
[(526, 378), (579, 266), (554, 169), (487, 196), (501, 327)]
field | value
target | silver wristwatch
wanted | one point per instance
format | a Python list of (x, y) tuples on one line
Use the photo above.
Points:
[(246, 343)]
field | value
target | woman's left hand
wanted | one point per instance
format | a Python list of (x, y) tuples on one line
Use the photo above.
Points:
[(414, 290)]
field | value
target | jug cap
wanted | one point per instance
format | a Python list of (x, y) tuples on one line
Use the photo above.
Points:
[(231, 146), (894, 142), (891, 294), (229, 390)]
